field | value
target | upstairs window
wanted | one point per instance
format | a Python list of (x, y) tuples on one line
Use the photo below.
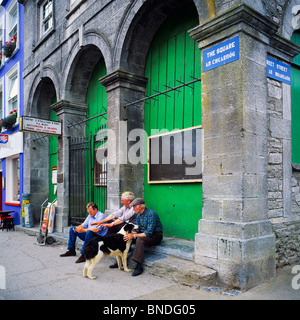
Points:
[(12, 92), (12, 21), (1, 38), (1, 98), (46, 16)]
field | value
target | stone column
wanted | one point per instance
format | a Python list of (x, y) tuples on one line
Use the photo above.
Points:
[(123, 87), (68, 113), (235, 236)]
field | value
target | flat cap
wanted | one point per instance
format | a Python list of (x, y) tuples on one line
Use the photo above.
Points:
[(136, 202)]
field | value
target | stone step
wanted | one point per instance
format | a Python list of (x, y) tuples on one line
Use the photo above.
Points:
[(172, 259), (179, 270), (179, 248)]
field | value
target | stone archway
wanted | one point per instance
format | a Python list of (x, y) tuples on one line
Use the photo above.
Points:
[(138, 28), (81, 62), (36, 161), (71, 110)]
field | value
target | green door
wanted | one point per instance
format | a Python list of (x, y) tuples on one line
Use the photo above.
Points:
[(96, 167), (296, 103), (174, 58), (52, 158)]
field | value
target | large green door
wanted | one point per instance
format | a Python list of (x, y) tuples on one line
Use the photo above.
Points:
[(96, 166), (296, 103), (174, 58), (52, 158)]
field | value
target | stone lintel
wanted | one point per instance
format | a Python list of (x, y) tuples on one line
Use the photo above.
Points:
[(64, 106), (123, 79)]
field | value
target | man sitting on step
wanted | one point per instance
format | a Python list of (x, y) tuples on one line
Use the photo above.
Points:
[(86, 231), (150, 232), (122, 216)]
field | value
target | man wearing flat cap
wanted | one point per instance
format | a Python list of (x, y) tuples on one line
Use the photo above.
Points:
[(150, 232)]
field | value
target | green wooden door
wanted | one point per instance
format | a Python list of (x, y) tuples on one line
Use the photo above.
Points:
[(174, 58), (96, 189), (296, 103), (52, 157)]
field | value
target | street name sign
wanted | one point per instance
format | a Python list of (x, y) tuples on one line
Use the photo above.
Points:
[(221, 54), (278, 70)]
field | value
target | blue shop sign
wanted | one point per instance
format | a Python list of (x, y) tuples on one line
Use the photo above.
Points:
[(278, 70), (221, 54)]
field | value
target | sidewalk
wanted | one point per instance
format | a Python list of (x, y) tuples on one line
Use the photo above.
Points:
[(35, 272)]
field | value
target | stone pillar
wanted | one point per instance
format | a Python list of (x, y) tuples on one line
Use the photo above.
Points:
[(68, 113), (235, 236), (123, 87)]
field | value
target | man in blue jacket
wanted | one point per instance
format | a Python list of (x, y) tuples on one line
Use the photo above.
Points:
[(86, 231)]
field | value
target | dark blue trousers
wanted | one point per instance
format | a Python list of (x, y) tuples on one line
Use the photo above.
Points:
[(86, 237)]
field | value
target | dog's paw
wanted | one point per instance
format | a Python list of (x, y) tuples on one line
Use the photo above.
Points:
[(127, 270), (92, 277)]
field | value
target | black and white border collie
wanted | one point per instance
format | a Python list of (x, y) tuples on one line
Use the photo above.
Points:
[(112, 245)]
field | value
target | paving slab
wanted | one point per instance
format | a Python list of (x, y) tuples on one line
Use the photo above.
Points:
[(172, 259)]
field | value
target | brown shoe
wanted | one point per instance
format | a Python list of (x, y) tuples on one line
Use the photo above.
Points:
[(80, 259), (68, 254)]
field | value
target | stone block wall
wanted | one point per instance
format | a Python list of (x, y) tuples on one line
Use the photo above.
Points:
[(283, 183)]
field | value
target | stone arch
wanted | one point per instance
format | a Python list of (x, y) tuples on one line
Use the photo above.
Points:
[(139, 25), (36, 164), (43, 89), (290, 19), (81, 63), (143, 19)]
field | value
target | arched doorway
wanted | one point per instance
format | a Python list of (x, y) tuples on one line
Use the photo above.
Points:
[(43, 149), (52, 158), (96, 130), (88, 169), (174, 59)]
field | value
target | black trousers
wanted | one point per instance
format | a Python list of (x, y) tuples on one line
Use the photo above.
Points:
[(141, 243)]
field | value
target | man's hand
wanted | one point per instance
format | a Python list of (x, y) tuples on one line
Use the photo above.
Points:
[(128, 237), (79, 229), (96, 223), (107, 225)]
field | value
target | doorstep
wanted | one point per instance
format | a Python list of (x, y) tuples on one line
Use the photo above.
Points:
[(172, 259)]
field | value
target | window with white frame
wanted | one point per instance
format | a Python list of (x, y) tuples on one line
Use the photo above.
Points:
[(46, 14), (1, 98), (12, 18), (12, 89), (1, 37), (13, 179)]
